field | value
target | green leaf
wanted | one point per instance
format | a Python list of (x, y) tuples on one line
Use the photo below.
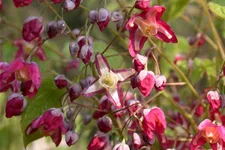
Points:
[(47, 97), (218, 8)]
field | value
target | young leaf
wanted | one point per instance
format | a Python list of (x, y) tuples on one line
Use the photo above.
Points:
[(218, 8), (47, 97)]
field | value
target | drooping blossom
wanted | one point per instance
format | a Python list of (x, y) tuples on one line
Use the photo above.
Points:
[(25, 48), (100, 141), (15, 105), (214, 100), (160, 82), (51, 123), (22, 3), (61, 81), (26, 72), (105, 124), (71, 137), (147, 24), (108, 81), (121, 146), (142, 4), (208, 132), (139, 62), (154, 123)]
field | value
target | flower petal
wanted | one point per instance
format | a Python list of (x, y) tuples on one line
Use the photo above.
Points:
[(115, 96), (94, 88), (101, 64), (197, 141), (123, 74)]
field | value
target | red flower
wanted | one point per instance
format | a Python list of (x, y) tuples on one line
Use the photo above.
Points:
[(146, 24), (24, 49), (105, 124), (15, 105), (214, 100), (51, 123), (154, 122), (22, 3), (32, 28), (25, 72), (209, 133), (139, 62), (99, 142), (142, 4)]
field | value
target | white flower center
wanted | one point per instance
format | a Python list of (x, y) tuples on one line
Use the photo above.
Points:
[(108, 80)]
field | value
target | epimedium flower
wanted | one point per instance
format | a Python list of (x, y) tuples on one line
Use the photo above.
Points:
[(51, 123), (208, 132), (142, 4), (154, 122), (214, 100), (147, 24), (26, 72), (100, 141), (22, 3), (25, 48), (108, 81)]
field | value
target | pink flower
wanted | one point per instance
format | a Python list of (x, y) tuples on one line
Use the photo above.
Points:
[(61, 81), (139, 62), (137, 140), (160, 82), (121, 146), (209, 133), (25, 72), (15, 105), (108, 82), (74, 91), (99, 142), (154, 122), (22, 3), (51, 123), (214, 100), (142, 4), (24, 50), (146, 24), (32, 28), (71, 137)]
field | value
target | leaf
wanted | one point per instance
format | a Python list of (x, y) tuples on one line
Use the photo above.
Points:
[(47, 97), (218, 8)]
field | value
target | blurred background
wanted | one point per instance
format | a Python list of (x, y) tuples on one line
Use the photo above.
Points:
[(184, 17)]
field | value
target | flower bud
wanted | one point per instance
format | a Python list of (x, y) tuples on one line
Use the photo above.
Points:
[(71, 138), (121, 146), (139, 62), (74, 91), (69, 114), (77, 3), (116, 16), (87, 82), (160, 82), (60, 81), (86, 53), (137, 140), (22, 3), (105, 124), (76, 32), (87, 119), (61, 25), (15, 105), (74, 48), (52, 29), (32, 28), (145, 82), (142, 4), (93, 16), (68, 5), (99, 142), (199, 38), (214, 100), (103, 18)]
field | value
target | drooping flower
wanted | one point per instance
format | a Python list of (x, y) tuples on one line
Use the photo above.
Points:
[(71, 137), (24, 50), (139, 62), (154, 122), (108, 82), (214, 100), (51, 123), (22, 3), (100, 141), (61, 81), (15, 105), (160, 82), (121, 146), (142, 4), (146, 24), (26, 72), (105, 124), (209, 133)]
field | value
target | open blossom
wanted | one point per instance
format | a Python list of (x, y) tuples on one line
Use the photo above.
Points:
[(22, 3), (154, 122), (25, 48), (146, 24), (108, 82), (26, 72), (51, 123), (209, 133)]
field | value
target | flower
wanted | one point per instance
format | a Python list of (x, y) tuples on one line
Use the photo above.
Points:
[(51, 123), (208, 133), (24, 49), (26, 72), (15, 105), (71, 137), (22, 3), (105, 124), (108, 81), (121, 146), (214, 100), (154, 122), (142, 4), (99, 142), (139, 62), (32, 28), (61, 81), (146, 24), (160, 82)]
